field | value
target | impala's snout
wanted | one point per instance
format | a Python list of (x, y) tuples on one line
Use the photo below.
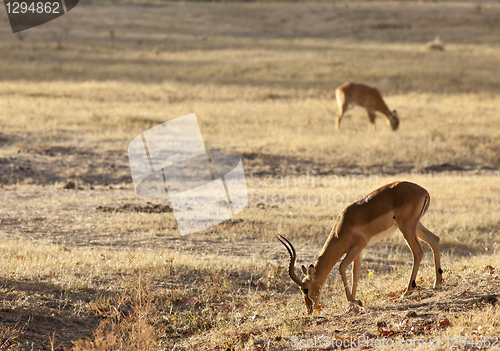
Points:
[(395, 125), (313, 307), (395, 121), (309, 305), (311, 298)]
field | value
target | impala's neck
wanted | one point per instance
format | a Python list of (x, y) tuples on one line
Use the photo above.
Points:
[(329, 256), (389, 114)]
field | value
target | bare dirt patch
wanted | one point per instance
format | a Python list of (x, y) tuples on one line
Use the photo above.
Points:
[(47, 309), (149, 208)]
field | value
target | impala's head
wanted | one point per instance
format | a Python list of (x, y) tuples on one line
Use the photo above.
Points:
[(394, 120), (310, 287)]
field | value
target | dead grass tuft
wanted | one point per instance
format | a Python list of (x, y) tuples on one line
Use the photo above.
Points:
[(128, 318), (8, 336)]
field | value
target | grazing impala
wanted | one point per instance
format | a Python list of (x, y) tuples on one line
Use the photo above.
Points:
[(364, 96), (398, 205)]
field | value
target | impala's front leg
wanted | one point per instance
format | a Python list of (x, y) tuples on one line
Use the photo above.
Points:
[(352, 254), (342, 105), (340, 113), (355, 274)]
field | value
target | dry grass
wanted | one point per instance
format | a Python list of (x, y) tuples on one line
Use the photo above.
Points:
[(236, 293), (97, 268), (110, 115), (215, 302)]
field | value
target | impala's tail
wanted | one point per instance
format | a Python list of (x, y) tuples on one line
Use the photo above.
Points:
[(427, 202)]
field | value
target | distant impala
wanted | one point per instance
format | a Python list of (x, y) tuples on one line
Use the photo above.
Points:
[(364, 96), (398, 205)]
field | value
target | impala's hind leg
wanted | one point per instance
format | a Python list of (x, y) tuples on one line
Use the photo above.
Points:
[(371, 117), (342, 106), (433, 240), (409, 230)]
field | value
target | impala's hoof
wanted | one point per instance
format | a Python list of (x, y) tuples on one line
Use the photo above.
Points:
[(406, 294), (438, 285), (357, 302)]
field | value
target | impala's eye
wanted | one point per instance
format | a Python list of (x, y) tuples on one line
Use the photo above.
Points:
[(306, 291)]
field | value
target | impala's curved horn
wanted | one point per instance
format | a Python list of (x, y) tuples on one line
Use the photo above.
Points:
[(293, 257)]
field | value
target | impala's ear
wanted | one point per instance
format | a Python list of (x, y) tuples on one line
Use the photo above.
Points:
[(304, 270), (311, 272)]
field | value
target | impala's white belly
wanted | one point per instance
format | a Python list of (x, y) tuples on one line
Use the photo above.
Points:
[(383, 235)]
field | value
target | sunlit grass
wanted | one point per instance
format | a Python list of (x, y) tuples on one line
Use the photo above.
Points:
[(455, 129)]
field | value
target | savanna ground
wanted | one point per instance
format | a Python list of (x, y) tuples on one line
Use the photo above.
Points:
[(95, 267)]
